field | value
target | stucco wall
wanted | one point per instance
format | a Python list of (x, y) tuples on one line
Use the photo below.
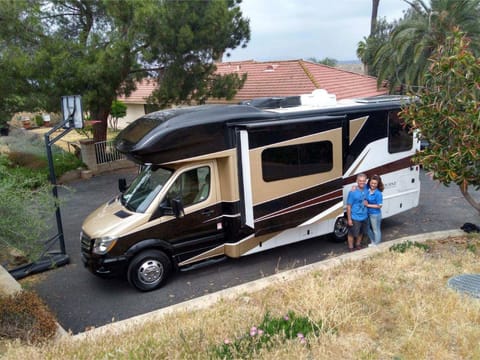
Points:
[(134, 111)]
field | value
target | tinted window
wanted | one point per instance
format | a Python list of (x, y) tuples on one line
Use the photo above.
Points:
[(400, 137), (135, 131), (297, 160), (192, 186)]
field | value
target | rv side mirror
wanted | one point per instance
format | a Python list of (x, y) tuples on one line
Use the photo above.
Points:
[(122, 185), (177, 208)]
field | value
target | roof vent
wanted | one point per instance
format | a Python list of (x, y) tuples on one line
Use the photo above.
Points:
[(318, 97), (270, 68)]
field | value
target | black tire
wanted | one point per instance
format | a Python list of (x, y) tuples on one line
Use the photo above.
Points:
[(340, 229), (149, 270)]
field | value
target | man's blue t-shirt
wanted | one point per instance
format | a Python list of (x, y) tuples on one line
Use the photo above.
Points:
[(359, 210)]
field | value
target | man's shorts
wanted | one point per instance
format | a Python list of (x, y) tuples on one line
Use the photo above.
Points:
[(358, 228)]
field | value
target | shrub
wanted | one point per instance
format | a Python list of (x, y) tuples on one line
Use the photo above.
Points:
[(24, 142), (24, 316), (38, 120), (26, 210), (64, 161), (26, 203), (27, 150), (30, 161), (404, 246), (270, 330)]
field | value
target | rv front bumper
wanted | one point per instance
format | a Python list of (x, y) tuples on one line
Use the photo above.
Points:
[(102, 265), (105, 266)]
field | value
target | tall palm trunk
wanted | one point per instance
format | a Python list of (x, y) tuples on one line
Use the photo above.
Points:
[(373, 18)]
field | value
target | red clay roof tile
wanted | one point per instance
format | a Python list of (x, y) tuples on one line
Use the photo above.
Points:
[(284, 78)]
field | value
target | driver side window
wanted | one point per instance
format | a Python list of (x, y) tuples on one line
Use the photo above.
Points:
[(191, 187)]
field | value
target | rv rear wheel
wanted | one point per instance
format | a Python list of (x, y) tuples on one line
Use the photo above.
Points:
[(340, 229), (149, 270)]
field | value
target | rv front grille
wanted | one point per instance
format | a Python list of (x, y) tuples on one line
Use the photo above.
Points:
[(86, 243)]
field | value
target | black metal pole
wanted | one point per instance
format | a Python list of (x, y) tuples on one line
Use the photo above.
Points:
[(53, 179)]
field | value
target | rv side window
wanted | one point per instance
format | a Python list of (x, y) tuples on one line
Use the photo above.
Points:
[(297, 160), (192, 186), (400, 137)]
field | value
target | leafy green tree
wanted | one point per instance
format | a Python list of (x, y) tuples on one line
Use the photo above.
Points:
[(403, 59), (14, 72), (191, 35), (100, 48), (118, 110), (447, 115)]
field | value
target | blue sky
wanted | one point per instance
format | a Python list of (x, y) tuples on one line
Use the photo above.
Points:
[(301, 29)]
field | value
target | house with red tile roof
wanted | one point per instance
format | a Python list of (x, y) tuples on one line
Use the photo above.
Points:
[(275, 78)]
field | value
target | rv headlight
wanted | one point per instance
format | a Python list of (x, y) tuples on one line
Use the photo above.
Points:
[(104, 244)]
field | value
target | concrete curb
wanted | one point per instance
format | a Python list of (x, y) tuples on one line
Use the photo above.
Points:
[(8, 285), (206, 301)]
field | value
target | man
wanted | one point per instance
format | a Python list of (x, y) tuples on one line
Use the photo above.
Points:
[(357, 214)]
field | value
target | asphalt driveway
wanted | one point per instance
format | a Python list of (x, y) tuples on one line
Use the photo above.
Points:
[(81, 301)]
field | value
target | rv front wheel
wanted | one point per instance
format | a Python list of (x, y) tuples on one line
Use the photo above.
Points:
[(340, 229), (149, 270)]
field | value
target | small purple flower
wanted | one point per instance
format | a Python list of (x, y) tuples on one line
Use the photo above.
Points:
[(286, 318), (300, 336), (253, 331), (227, 341), (303, 341), (260, 332)]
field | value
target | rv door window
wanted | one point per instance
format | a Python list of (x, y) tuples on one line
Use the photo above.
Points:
[(145, 188), (291, 161), (191, 187), (400, 138)]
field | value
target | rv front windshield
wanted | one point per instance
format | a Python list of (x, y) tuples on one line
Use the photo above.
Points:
[(145, 188)]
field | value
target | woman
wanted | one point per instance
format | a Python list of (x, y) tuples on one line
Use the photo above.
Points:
[(373, 202)]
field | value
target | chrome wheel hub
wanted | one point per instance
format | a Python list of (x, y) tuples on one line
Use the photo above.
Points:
[(150, 271)]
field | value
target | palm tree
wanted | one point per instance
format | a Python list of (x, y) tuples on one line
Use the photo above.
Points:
[(373, 19), (368, 47), (403, 59)]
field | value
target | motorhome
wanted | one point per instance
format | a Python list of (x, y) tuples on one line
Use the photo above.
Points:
[(223, 181)]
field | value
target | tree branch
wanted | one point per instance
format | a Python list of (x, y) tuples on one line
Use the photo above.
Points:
[(146, 70)]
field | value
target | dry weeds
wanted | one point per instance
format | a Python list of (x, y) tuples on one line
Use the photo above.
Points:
[(390, 306)]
